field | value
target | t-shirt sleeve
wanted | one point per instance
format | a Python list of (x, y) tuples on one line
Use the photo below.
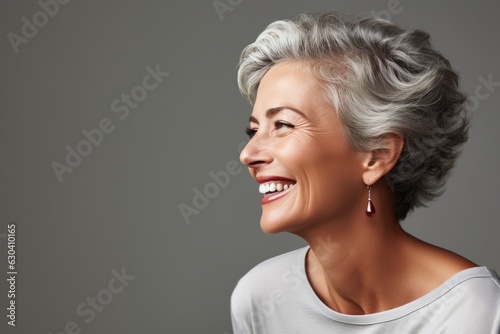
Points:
[(240, 310)]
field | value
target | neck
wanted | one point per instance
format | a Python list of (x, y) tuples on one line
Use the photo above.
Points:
[(356, 262)]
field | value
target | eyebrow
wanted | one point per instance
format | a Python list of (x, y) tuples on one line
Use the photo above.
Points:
[(273, 111)]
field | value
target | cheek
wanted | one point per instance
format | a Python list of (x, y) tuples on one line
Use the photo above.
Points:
[(294, 148), (337, 178), (331, 178), (334, 185), (318, 156)]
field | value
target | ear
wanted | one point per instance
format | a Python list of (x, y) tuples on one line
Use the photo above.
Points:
[(379, 162)]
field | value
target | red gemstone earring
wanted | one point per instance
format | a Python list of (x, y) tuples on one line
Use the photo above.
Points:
[(370, 208)]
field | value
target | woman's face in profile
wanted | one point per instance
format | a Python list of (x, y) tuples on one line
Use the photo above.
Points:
[(298, 139)]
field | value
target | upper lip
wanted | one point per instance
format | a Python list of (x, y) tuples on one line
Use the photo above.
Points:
[(264, 179)]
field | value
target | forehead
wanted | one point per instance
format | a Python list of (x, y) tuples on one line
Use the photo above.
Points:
[(291, 84)]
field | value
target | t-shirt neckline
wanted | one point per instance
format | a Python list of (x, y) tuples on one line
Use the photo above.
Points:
[(395, 313)]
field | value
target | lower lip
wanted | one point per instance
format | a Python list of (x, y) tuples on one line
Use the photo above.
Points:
[(273, 197)]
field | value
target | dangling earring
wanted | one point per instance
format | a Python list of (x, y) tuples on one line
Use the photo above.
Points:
[(370, 208)]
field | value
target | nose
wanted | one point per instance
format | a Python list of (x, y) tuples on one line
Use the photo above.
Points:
[(255, 154)]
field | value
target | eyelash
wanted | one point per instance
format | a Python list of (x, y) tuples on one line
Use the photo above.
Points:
[(250, 132), (278, 125)]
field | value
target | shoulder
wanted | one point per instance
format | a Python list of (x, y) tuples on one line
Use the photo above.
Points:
[(479, 283), (430, 266), (272, 271), (472, 301), (276, 263), (269, 281)]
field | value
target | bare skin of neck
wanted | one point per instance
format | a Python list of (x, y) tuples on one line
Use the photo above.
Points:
[(361, 265)]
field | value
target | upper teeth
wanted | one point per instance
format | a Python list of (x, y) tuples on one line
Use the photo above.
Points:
[(272, 187)]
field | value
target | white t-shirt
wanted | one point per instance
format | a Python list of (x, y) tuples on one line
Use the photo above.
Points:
[(275, 297)]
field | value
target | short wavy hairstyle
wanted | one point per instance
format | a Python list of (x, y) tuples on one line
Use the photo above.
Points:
[(381, 79)]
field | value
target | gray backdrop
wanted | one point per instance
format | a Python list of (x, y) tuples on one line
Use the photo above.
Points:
[(102, 245)]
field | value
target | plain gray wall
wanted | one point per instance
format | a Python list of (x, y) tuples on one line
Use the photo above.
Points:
[(120, 207)]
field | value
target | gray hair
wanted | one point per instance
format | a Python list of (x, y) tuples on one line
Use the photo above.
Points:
[(381, 80)]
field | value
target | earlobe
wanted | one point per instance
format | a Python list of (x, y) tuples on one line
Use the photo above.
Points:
[(379, 162)]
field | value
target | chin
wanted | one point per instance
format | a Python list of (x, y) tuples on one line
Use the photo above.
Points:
[(270, 228), (273, 223)]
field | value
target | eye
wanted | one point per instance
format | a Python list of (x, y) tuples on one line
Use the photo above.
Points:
[(280, 124), (250, 132)]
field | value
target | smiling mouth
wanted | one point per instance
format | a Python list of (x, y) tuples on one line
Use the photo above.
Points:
[(274, 187), (275, 190)]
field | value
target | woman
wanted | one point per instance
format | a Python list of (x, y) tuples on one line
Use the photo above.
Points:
[(354, 124)]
